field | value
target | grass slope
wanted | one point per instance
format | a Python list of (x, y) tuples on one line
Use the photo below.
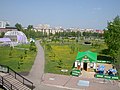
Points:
[(13, 59)]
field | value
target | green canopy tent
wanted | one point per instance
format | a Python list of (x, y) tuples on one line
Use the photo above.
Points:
[(91, 56)]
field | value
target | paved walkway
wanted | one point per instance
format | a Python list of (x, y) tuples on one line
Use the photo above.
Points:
[(38, 67), (37, 70), (70, 82)]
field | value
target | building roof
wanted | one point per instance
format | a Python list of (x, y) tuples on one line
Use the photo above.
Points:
[(90, 55), (7, 29)]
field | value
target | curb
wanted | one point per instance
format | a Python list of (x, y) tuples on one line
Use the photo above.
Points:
[(58, 86)]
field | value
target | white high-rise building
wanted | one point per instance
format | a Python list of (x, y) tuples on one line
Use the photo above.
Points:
[(3, 24)]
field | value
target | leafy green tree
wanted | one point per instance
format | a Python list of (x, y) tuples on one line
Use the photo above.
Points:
[(7, 24), (112, 38), (29, 31), (112, 35), (11, 52), (72, 47), (30, 27), (117, 61), (48, 47), (25, 52), (19, 27), (2, 34), (32, 46)]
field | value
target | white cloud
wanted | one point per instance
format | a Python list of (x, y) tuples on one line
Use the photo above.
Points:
[(97, 8)]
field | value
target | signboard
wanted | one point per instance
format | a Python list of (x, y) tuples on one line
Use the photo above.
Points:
[(86, 59)]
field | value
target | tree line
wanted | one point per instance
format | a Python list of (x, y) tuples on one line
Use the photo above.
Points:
[(30, 32)]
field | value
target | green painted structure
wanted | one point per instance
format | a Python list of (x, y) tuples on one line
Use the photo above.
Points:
[(84, 60), (106, 77), (91, 56)]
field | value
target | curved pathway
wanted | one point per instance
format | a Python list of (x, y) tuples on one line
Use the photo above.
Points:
[(37, 71)]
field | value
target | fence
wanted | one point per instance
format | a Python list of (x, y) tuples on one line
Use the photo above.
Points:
[(6, 69), (7, 84)]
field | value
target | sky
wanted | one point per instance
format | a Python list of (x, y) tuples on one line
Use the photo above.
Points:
[(66, 13)]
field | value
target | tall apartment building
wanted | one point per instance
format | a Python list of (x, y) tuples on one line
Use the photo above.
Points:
[(3, 24), (47, 29)]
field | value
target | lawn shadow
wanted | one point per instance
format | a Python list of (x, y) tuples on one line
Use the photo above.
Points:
[(105, 51)]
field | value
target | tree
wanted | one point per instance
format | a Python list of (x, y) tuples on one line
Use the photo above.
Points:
[(2, 34), (30, 33), (32, 46), (48, 46), (112, 35), (30, 27), (7, 24), (112, 38), (19, 27), (117, 59), (11, 52), (72, 47)]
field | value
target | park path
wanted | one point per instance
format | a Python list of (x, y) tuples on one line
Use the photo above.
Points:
[(38, 67), (37, 71)]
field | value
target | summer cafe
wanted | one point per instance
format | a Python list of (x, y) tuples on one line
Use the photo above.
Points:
[(86, 61)]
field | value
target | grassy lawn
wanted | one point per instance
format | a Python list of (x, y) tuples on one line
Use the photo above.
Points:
[(61, 56), (16, 58), (62, 59)]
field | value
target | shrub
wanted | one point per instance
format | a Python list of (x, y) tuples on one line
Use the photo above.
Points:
[(32, 46)]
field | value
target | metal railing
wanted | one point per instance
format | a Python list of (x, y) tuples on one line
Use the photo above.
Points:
[(17, 76), (6, 84), (22, 79)]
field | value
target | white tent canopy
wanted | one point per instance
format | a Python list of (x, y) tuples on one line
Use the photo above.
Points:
[(16, 36)]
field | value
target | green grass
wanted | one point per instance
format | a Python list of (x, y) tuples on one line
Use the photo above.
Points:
[(61, 57), (13, 59), (119, 73), (61, 53)]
